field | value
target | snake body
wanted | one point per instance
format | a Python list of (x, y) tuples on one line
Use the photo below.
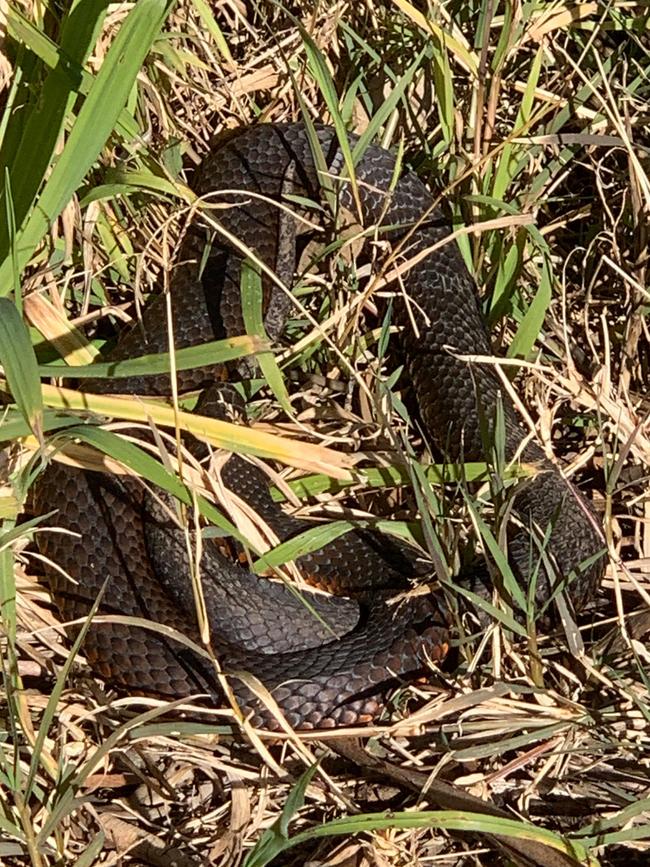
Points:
[(122, 537)]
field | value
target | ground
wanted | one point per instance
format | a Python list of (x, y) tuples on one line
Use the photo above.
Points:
[(531, 123)]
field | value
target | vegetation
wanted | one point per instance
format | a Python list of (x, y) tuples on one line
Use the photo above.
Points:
[(531, 122)]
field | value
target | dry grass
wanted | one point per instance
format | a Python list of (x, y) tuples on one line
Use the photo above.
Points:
[(533, 116)]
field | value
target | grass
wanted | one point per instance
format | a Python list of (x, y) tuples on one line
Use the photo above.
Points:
[(531, 122)]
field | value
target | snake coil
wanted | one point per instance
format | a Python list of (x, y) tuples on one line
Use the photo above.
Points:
[(123, 536)]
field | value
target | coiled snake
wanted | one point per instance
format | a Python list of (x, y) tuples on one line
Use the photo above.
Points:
[(258, 626)]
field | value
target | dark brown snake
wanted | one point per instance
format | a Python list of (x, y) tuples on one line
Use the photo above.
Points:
[(259, 626)]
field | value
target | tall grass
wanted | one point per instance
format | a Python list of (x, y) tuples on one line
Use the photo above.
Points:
[(530, 121)]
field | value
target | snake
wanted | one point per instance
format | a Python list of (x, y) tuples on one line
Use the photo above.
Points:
[(335, 661)]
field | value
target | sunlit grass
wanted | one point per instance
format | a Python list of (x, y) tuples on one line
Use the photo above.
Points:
[(530, 121)]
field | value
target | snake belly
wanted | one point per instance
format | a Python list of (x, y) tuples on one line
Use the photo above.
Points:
[(333, 667)]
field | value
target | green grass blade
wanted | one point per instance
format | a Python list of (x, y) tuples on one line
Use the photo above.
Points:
[(127, 183), (275, 841), (190, 357), (531, 325), (276, 838), (58, 94), (500, 559), (321, 74), (389, 476), (312, 539), (252, 311), (19, 362), (509, 164), (207, 17), (14, 426), (443, 83), (93, 126), (389, 105), (25, 32), (92, 851), (8, 589)]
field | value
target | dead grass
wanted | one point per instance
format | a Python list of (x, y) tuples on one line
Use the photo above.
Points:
[(535, 115)]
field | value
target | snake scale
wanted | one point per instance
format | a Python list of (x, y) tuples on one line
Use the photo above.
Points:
[(321, 676)]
